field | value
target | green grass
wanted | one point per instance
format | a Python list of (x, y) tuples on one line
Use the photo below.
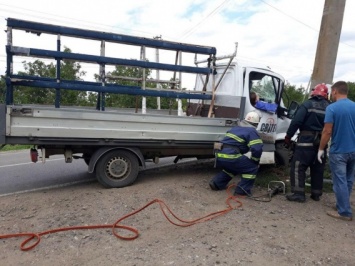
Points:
[(15, 147), (269, 173)]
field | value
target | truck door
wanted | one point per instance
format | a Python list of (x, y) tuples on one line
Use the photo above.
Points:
[(269, 86)]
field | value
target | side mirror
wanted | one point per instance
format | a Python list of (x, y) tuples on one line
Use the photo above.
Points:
[(292, 109)]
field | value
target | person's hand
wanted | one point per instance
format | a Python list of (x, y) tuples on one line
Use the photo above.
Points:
[(320, 156), (287, 141)]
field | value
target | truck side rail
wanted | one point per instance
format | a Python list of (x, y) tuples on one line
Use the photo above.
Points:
[(38, 28), (104, 86), (41, 53), (38, 82)]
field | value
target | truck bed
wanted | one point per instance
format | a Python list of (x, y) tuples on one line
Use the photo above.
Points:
[(38, 124)]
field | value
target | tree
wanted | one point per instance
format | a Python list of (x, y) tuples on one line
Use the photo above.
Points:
[(351, 94), (134, 101), (299, 94), (72, 71), (69, 71), (293, 94), (28, 95), (121, 100)]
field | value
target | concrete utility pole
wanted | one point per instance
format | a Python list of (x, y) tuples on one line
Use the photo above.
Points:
[(328, 42)]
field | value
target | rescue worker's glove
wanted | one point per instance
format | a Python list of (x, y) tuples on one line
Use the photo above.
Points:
[(287, 141), (320, 156)]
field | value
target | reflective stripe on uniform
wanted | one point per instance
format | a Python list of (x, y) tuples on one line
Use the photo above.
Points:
[(255, 159), (228, 156), (255, 141), (248, 176), (235, 137), (230, 174), (297, 187), (305, 144), (316, 111)]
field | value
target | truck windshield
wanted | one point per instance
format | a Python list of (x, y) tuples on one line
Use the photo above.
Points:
[(264, 85)]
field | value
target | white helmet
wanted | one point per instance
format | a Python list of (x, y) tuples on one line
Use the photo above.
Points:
[(252, 118)]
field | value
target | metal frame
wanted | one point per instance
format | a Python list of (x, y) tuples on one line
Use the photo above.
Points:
[(101, 87)]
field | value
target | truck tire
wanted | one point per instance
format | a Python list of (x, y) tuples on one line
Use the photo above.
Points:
[(117, 168), (281, 154)]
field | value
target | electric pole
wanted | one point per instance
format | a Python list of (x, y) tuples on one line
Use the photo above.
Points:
[(328, 42)]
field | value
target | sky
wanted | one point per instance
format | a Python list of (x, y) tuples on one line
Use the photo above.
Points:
[(280, 34)]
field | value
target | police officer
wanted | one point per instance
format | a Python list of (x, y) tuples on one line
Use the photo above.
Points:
[(238, 141), (309, 120)]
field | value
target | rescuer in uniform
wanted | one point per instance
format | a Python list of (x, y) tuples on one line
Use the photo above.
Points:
[(309, 120), (230, 156)]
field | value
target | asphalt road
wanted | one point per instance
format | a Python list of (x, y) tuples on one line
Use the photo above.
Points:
[(18, 174)]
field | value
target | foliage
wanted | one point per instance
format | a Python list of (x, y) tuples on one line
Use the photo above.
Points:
[(69, 71), (14, 147), (134, 101), (293, 94), (72, 71), (351, 94), (299, 94), (269, 173)]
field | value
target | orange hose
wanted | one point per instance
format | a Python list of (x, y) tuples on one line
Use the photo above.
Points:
[(164, 208)]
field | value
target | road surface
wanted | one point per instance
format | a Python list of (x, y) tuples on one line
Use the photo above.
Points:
[(18, 174)]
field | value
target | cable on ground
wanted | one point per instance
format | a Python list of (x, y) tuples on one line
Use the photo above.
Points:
[(35, 238)]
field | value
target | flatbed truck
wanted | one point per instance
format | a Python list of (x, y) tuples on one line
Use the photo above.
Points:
[(115, 143)]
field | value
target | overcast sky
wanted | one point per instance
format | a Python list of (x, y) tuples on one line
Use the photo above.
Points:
[(281, 34)]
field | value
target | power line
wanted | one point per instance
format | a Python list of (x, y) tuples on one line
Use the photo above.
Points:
[(213, 12), (185, 34), (66, 19), (297, 20), (287, 15)]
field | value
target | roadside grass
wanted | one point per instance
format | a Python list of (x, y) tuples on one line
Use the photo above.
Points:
[(14, 147), (268, 173)]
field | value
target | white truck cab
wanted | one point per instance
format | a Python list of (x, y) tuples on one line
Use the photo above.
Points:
[(233, 84)]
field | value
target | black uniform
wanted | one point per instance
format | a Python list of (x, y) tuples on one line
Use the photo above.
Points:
[(309, 119)]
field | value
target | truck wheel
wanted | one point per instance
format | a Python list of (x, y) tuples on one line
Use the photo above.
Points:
[(117, 168), (281, 154)]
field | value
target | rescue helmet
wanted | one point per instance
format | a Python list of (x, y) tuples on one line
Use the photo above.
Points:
[(320, 90), (252, 118)]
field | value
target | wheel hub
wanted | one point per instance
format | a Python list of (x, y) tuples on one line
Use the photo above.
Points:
[(117, 167)]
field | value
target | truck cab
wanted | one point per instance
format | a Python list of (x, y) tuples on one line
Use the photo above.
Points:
[(232, 85)]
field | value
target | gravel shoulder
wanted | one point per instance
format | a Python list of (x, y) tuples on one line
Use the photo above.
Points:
[(258, 233)]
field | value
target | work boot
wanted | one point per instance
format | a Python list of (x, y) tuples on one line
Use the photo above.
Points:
[(213, 185), (296, 197), (315, 197)]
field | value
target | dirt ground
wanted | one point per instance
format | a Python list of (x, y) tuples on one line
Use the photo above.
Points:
[(258, 233)]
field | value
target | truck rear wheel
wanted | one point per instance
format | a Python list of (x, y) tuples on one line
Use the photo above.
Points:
[(118, 168)]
